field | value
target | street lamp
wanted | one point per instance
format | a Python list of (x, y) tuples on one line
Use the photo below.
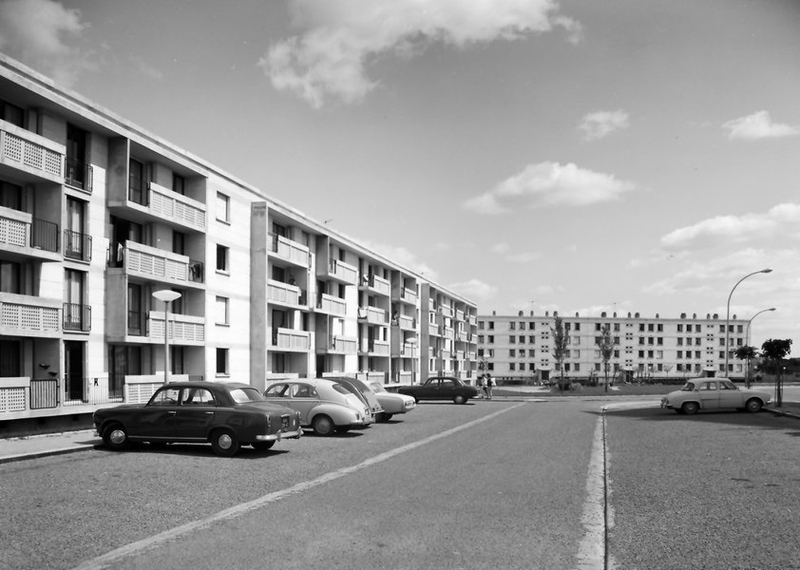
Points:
[(167, 296), (728, 314), (747, 336)]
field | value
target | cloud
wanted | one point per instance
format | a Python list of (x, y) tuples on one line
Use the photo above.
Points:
[(550, 184), (341, 38), (758, 126), (600, 124), (475, 289), (146, 69), (404, 257), (38, 32), (782, 219)]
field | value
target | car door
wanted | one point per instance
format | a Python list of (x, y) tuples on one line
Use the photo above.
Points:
[(197, 412), (430, 390), (729, 395), (304, 399), (157, 418), (709, 395)]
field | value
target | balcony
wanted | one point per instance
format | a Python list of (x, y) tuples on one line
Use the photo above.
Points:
[(375, 376), (77, 317), (373, 315), (433, 329), (338, 271), (31, 154), (376, 284), (343, 345), (446, 311), (282, 293), (459, 315), (404, 349), (150, 263), (405, 322), (331, 305), (24, 236), (375, 347), (405, 295), (288, 251), (77, 246), (405, 377), (290, 340), (184, 330), (23, 315), (78, 175), (170, 206)]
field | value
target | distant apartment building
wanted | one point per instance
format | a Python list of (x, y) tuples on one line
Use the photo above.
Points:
[(520, 347), (97, 216)]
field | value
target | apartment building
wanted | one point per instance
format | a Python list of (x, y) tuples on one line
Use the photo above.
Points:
[(519, 348), (122, 256)]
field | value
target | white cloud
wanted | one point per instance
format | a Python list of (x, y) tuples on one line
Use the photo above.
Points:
[(340, 38), (550, 184), (403, 257), (475, 289), (782, 219), (600, 124), (38, 32), (757, 126)]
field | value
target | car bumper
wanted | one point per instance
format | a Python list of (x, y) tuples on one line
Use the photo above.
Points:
[(280, 435)]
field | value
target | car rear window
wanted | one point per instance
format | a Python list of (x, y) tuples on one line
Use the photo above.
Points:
[(244, 395), (341, 389)]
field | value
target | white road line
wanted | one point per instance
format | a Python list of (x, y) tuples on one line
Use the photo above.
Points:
[(154, 541), (592, 549)]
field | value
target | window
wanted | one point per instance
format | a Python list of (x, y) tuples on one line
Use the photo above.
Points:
[(491, 339), (136, 191), (512, 353), (178, 184), (222, 258), (10, 277), (222, 311), (223, 208), (10, 195), (12, 114), (222, 362)]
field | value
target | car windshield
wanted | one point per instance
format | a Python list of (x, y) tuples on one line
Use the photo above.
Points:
[(244, 395), (377, 387), (688, 387)]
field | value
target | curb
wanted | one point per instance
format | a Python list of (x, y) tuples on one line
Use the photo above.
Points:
[(45, 453)]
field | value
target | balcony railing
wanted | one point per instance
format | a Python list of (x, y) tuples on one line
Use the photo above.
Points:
[(283, 293), (289, 250), (26, 150), (376, 376), (347, 345), (21, 230), (342, 271), (404, 322), (289, 339), (77, 317), (153, 263), (332, 305), (183, 329), (78, 174), (25, 316), (170, 205), (408, 295), (376, 347), (377, 284), (373, 315), (77, 245)]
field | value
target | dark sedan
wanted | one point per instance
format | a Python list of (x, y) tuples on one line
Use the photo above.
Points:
[(227, 415), (440, 388)]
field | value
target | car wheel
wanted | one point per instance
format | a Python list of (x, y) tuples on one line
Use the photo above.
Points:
[(323, 425), (459, 399), (753, 405), (690, 408), (115, 437), (387, 417), (262, 445), (342, 429), (224, 443)]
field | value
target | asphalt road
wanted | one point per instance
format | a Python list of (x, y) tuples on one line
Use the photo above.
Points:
[(501, 484)]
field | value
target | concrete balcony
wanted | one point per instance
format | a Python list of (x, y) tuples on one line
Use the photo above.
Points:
[(331, 305), (153, 264), (404, 377), (28, 316), (289, 251), (377, 285), (404, 349), (373, 316), (23, 236), (433, 329), (175, 208), (404, 295), (376, 376), (282, 293), (290, 340), (338, 271), (184, 330), (375, 348), (342, 345), (459, 315), (405, 323), (32, 157), (446, 311)]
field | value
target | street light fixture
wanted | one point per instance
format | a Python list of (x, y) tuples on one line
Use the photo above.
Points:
[(167, 296), (728, 314)]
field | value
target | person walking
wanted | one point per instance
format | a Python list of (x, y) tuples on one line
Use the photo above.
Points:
[(489, 382), (479, 386)]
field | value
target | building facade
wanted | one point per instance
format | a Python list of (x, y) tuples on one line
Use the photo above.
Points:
[(98, 215), (519, 348)]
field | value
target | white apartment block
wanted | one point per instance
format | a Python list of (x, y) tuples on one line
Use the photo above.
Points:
[(519, 348), (97, 215)]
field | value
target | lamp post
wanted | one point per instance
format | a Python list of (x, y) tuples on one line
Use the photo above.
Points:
[(728, 314), (167, 297)]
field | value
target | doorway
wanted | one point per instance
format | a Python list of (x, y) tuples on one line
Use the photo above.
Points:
[(74, 381)]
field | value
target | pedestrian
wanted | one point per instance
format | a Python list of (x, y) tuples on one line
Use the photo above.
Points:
[(479, 385), (489, 385)]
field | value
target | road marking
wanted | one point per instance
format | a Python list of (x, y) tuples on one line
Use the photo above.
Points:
[(152, 542), (592, 549)]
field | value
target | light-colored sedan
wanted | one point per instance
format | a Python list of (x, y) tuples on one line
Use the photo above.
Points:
[(392, 403), (324, 406), (714, 394)]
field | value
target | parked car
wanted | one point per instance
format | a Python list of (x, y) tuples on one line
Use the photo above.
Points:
[(364, 390), (440, 388), (227, 415), (325, 406), (392, 403), (714, 394)]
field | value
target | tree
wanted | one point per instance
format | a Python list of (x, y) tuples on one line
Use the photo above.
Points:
[(775, 350), (559, 348), (746, 353), (606, 344)]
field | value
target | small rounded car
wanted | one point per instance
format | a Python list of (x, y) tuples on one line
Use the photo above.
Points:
[(325, 406), (226, 414), (714, 394), (440, 388), (392, 403), (364, 391)]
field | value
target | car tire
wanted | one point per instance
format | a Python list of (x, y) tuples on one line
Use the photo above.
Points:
[(754, 405), (323, 425), (224, 443), (459, 399), (115, 437), (342, 429), (262, 445), (690, 408), (386, 417)]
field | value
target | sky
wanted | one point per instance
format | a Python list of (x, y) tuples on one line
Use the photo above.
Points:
[(532, 155)]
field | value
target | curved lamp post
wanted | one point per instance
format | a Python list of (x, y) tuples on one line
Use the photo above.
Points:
[(167, 297), (728, 314), (747, 376)]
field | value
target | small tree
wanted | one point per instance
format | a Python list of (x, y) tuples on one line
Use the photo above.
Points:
[(606, 344), (746, 353), (559, 348), (775, 350)]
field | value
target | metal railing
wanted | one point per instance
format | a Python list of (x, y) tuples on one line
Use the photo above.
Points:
[(78, 174), (44, 235), (77, 245), (77, 317)]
